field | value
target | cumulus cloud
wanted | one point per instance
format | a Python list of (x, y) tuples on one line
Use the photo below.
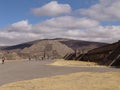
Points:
[(64, 27), (16, 33), (60, 24), (52, 9), (19, 26), (105, 10), (73, 27), (70, 22)]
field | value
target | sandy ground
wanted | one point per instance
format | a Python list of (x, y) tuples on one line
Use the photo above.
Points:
[(13, 60), (75, 81), (59, 75)]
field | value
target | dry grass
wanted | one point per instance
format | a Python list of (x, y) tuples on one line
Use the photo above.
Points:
[(76, 81), (61, 62)]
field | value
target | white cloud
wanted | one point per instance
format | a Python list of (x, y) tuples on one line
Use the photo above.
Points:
[(64, 27), (52, 9), (19, 26), (22, 24), (16, 33), (73, 27), (105, 10), (60, 24)]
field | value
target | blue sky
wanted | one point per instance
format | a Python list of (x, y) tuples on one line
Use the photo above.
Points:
[(16, 10), (90, 20)]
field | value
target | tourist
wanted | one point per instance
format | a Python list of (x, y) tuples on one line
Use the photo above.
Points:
[(3, 59)]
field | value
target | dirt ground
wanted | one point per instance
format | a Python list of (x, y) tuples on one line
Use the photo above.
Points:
[(75, 81), (58, 75)]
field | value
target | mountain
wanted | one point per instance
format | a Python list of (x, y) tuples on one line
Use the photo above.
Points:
[(49, 48)]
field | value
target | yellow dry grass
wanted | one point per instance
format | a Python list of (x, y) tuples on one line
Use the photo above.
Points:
[(62, 62), (75, 81)]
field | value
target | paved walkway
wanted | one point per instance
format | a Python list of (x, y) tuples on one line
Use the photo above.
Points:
[(25, 70)]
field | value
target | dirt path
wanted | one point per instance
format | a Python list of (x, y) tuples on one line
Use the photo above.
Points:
[(24, 70)]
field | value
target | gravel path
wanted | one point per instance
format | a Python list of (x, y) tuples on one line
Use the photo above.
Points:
[(25, 70)]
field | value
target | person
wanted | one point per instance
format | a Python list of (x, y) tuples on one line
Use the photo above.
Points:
[(29, 58), (3, 59)]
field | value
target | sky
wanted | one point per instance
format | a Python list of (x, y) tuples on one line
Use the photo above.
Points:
[(90, 20)]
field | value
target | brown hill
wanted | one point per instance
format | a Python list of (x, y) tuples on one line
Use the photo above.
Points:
[(50, 48)]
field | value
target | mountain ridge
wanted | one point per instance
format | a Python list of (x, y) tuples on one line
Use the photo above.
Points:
[(62, 40), (50, 48)]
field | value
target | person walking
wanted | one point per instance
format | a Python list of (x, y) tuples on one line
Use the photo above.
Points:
[(29, 58), (3, 59)]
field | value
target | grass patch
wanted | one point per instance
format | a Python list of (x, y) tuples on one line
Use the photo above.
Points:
[(62, 62), (75, 81)]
